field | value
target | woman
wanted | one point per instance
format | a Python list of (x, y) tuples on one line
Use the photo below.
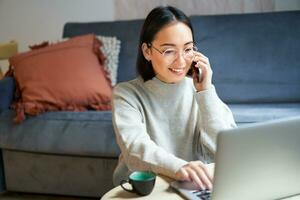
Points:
[(164, 121)]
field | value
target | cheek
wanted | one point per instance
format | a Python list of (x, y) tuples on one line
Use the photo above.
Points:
[(159, 60), (189, 64), (159, 64)]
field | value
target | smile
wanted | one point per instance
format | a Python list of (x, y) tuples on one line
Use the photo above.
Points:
[(177, 70)]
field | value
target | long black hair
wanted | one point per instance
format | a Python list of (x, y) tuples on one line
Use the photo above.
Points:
[(158, 18)]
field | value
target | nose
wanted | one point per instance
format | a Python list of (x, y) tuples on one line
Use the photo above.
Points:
[(180, 60)]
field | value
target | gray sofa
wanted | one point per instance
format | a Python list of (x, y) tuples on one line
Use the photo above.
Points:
[(256, 63)]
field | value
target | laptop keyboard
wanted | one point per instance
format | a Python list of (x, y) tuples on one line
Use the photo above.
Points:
[(202, 194), (190, 190)]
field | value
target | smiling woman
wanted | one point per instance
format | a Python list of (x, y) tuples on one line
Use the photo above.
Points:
[(174, 35), (166, 122), (175, 57), (168, 63)]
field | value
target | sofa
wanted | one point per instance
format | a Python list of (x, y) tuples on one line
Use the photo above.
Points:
[(256, 64)]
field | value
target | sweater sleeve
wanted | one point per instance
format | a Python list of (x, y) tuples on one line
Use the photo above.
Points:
[(139, 151), (214, 117)]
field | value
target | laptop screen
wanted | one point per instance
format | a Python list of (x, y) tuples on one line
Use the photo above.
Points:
[(258, 161)]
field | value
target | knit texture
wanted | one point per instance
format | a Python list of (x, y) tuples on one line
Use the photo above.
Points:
[(160, 126)]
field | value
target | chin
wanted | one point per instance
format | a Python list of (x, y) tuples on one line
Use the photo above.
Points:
[(172, 78), (177, 79)]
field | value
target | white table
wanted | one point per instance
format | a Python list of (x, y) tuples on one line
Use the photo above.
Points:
[(161, 191)]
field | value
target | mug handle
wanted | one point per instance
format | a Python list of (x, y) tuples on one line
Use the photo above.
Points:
[(123, 182)]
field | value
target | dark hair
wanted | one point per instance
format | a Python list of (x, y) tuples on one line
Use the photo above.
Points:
[(158, 18)]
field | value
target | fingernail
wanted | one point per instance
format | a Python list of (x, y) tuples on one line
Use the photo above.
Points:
[(210, 186)]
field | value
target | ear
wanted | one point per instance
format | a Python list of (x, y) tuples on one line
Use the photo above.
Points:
[(146, 51)]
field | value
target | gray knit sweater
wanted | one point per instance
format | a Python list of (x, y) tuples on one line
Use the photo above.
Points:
[(161, 126)]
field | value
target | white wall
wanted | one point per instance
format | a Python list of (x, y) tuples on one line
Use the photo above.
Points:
[(32, 21), (281, 5), (124, 8)]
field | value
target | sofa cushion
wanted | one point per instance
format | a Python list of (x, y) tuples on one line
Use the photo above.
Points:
[(65, 76), (255, 57), (250, 113), (7, 88), (87, 133), (127, 31)]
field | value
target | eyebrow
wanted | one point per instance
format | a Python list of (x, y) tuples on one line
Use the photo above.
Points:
[(170, 44)]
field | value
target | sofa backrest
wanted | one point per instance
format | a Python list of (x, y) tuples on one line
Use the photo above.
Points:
[(255, 57)]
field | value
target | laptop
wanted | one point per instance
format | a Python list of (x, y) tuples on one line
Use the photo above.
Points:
[(257, 161)]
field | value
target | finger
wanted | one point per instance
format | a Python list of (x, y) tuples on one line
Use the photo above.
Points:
[(199, 169), (204, 67), (208, 169), (205, 179), (203, 59), (208, 173), (201, 63), (193, 176), (198, 53), (185, 175)]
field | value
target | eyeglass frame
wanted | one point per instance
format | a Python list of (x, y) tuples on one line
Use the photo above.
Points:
[(149, 45)]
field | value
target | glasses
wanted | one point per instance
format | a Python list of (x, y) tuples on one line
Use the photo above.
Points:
[(171, 54)]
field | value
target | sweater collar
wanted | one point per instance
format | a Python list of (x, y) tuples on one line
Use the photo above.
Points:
[(164, 89)]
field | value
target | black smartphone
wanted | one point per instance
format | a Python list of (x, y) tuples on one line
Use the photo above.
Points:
[(197, 71)]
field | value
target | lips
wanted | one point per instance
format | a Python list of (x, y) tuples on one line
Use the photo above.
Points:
[(177, 70)]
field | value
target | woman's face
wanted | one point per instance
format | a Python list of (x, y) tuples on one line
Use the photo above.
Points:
[(168, 52)]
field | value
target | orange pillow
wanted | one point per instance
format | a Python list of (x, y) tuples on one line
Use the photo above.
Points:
[(65, 76)]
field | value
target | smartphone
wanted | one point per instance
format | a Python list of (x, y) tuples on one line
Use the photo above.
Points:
[(197, 71)]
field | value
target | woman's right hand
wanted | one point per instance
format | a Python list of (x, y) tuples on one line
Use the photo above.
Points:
[(197, 172)]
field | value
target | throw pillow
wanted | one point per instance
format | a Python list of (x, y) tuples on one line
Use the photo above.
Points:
[(68, 75), (111, 50)]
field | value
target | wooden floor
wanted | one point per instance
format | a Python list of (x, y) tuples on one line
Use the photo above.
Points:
[(26, 196)]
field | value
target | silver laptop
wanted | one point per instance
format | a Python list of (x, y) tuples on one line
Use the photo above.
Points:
[(259, 161)]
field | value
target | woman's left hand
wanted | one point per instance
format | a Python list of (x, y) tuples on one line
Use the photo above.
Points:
[(206, 72)]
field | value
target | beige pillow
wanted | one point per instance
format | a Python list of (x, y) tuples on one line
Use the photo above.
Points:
[(111, 49)]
